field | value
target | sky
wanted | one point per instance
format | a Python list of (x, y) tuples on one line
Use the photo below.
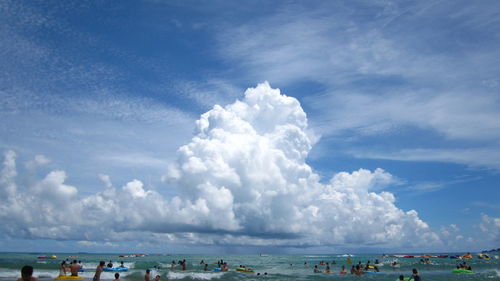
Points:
[(248, 127)]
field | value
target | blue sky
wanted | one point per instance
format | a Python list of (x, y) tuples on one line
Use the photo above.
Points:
[(400, 97)]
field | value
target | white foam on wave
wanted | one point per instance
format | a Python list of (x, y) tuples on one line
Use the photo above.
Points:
[(195, 275), (9, 273), (129, 264), (16, 273), (111, 274)]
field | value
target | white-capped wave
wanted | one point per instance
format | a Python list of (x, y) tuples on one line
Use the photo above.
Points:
[(195, 275), (316, 256), (111, 275), (16, 273), (9, 273)]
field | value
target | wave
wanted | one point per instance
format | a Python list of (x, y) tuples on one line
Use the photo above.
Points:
[(194, 275), (16, 273), (316, 256)]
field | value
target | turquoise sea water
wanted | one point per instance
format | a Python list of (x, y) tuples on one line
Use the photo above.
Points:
[(278, 267)]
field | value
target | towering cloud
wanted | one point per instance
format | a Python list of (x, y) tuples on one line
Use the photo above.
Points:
[(243, 175)]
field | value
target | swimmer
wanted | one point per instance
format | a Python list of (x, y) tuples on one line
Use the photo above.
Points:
[(62, 269), (74, 267), (343, 271), (98, 271), (415, 276), (27, 274)]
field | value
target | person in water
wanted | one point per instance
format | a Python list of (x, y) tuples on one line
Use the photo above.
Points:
[(147, 276), (98, 271), (62, 269), (74, 268), (359, 270), (110, 264), (117, 277), (121, 264), (401, 278), (327, 269), (157, 278), (183, 264), (343, 271), (415, 276), (206, 267), (27, 274), (316, 270)]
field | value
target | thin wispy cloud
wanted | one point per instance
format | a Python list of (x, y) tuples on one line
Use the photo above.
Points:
[(421, 80)]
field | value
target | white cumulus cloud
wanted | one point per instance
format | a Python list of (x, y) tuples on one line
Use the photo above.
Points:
[(242, 179)]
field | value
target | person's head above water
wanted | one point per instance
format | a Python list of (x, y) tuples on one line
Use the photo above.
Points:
[(27, 271)]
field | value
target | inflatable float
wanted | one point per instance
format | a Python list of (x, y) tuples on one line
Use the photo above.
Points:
[(115, 269), (467, 257), (460, 270), (242, 269)]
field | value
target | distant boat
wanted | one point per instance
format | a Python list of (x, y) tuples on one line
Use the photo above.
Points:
[(263, 255)]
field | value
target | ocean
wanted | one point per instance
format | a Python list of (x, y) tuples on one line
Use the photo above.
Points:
[(277, 267)]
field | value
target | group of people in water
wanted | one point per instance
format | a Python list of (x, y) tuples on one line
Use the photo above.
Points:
[(360, 269), (464, 265), (73, 267), (147, 276)]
